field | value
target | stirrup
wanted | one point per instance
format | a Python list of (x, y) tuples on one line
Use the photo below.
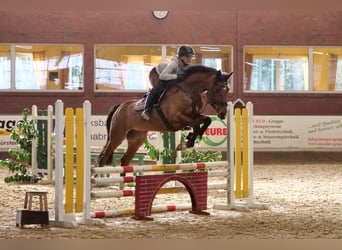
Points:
[(145, 115)]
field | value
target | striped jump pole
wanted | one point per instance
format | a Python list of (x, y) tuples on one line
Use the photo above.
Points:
[(161, 168), (131, 211), (240, 194), (110, 181), (166, 190)]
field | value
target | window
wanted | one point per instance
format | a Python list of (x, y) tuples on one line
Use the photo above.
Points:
[(327, 68), (127, 67), (41, 67), (5, 67), (292, 68)]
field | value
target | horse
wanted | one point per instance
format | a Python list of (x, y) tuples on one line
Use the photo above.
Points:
[(181, 106)]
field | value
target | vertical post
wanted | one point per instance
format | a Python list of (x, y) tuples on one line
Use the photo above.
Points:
[(230, 151), (42, 146), (159, 145), (178, 136), (169, 143), (238, 152), (249, 107), (49, 142), (69, 160), (245, 153), (42, 162), (59, 118), (87, 159), (79, 159), (34, 143)]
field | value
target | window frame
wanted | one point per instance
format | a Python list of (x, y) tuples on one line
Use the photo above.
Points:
[(310, 70), (13, 68)]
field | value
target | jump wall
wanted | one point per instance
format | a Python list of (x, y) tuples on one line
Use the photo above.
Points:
[(147, 187)]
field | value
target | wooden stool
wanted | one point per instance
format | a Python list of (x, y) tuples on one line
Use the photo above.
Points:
[(42, 200), (27, 215)]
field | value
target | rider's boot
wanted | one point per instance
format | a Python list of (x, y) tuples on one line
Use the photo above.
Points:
[(148, 106)]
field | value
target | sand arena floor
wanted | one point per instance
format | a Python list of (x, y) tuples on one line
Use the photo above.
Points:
[(304, 202)]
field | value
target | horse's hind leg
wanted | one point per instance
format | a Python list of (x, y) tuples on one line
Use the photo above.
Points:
[(134, 140), (113, 142)]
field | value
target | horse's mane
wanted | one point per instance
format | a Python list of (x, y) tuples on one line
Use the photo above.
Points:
[(197, 68)]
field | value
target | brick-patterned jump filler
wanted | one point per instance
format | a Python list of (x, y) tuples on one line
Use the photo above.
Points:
[(148, 186)]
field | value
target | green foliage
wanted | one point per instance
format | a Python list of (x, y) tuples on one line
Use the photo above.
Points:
[(19, 160), (154, 153), (188, 155), (193, 155)]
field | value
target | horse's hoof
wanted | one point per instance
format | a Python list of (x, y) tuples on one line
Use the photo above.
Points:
[(188, 137), (180, 147), (122, 186), (98, 161)]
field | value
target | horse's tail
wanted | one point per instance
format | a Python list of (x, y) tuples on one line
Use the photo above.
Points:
[(108, 122), (109, 117)]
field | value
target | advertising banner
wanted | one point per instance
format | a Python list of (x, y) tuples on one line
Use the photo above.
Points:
[(271, 133)]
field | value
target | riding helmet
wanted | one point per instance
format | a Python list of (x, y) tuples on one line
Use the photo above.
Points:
[(185, 51)]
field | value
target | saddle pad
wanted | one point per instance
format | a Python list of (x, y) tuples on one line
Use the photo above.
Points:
[(140, 104)]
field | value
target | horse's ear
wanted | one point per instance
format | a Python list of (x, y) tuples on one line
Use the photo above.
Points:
[(218, 74), (230, 74)]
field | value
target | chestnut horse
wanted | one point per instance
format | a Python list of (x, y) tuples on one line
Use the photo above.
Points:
[(181, 106)]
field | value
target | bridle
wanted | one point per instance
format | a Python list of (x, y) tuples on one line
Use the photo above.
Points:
[(211, 94)]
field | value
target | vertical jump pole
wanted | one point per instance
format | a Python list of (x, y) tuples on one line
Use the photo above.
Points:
[(80, 152), (238, 151), (230, 151), (249, 107), (84, 174), (59, 164), (69, 160), (246, 163), (87, 160), (49, 142), (34, 116)]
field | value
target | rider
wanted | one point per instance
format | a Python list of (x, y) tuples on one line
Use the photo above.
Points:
[(172, 71)]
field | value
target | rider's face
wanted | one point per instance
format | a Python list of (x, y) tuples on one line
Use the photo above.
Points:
[(187, 59)]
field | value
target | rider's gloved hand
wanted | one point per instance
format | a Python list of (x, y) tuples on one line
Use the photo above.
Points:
[(180, 76)]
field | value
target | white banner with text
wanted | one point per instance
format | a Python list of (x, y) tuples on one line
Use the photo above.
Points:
[(271, 133)]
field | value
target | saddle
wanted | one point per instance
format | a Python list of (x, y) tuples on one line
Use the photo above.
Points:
[(140, 104)]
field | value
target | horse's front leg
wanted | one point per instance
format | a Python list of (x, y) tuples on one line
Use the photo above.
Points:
[(198, 131), (206, 124)]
